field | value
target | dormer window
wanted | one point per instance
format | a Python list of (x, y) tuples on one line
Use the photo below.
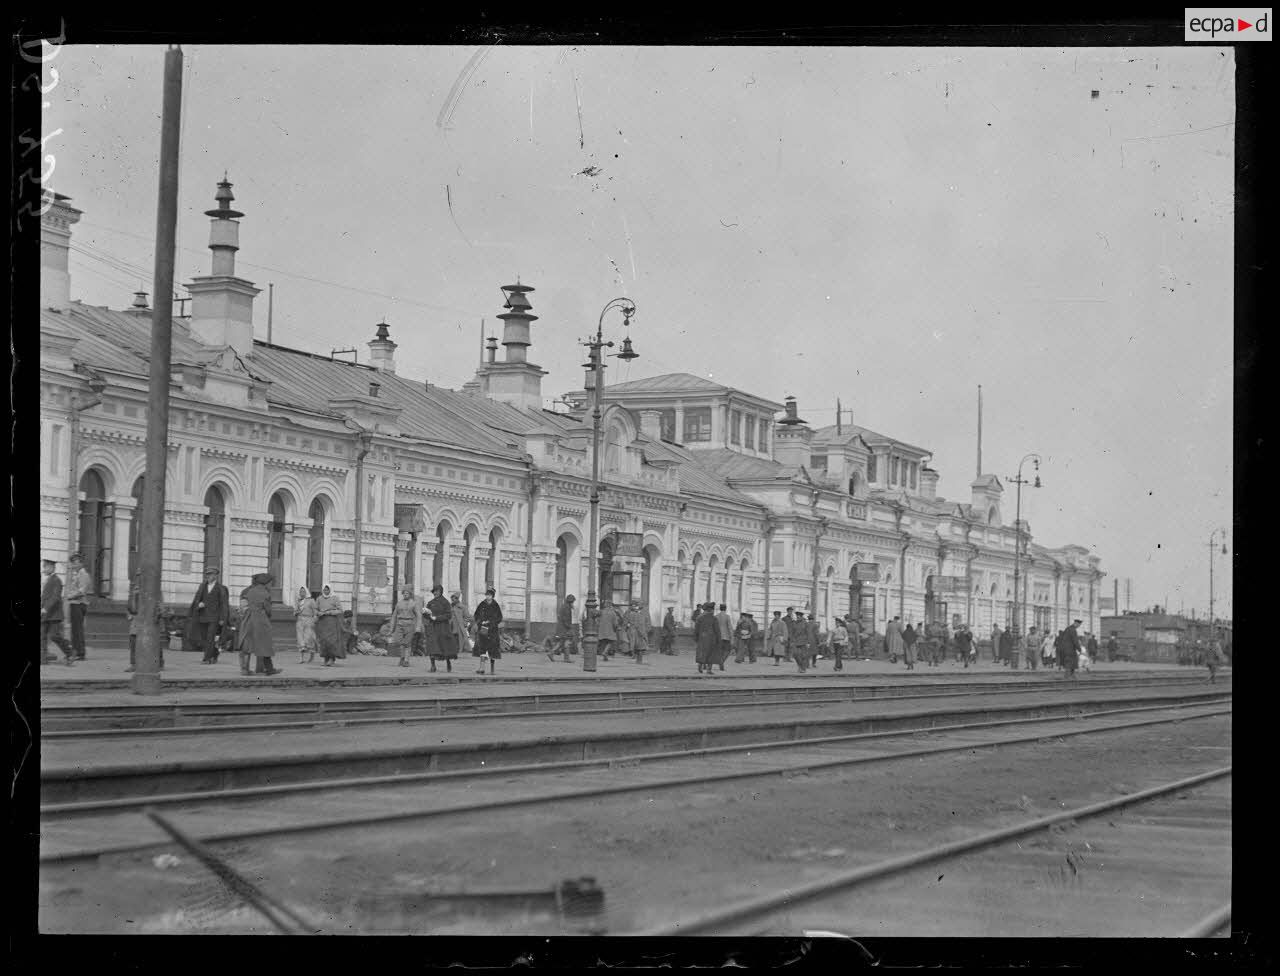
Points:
[(763, 444), (667, 425), (913, 475), (749, 435), (697, 425), (871, 469), (735, 427)]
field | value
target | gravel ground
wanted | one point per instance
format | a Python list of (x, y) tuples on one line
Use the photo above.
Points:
[(657, 858)]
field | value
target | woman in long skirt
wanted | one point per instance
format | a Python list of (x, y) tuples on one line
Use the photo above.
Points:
[(437, 623), (329, 627), (406, 620), (909, 647), (256, 632), (488, 618), (304, 609)]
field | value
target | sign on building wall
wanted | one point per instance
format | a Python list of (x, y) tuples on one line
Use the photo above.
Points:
[(949, 584), (867, 572), (375, 571), (628, 544)]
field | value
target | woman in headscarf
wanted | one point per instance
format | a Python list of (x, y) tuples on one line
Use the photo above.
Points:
[(329, 635), (706, 631), (488, 618), (909, 647), (437, 622), (304, 609), (255, 635), (406, 620)]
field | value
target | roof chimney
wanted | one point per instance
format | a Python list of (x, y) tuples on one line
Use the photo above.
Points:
[(221, 303), (651, 424), (140, 306), (382, 350), (55, 247), (514, 381), (791, 437)]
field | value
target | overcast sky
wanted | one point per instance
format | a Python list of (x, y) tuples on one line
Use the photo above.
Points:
[(886, 226)]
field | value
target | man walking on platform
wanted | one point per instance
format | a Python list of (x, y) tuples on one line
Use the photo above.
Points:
[(77, 592), (668, 639), (51, 615), (800, 642), (1031, 649), (210, 612), (724, 627), (777, 638), (744, 637), (964, 643), (566, 627)]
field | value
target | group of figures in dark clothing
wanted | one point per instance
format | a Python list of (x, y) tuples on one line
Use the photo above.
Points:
[(628, 633), (788, 638), (438, 629)]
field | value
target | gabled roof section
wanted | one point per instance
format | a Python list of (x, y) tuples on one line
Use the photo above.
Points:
[(732, 466), (121, 342), (696, 477), (828, 435), (987, 481), (667, 383)]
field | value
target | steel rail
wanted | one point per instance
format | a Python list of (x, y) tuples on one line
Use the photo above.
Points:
[(79, 807), (1215, 921), (611, 790), (322, 721), (788, 898)]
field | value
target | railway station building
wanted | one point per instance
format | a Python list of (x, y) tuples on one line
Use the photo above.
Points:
[(320, 470)]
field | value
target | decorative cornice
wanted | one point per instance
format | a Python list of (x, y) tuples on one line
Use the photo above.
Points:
[(298, 464)]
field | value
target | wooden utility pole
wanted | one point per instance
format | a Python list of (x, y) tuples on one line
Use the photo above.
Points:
[(146, 677)]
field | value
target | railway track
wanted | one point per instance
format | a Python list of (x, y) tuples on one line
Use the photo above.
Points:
[(294, 759), (80, 832), (1057, 875), (71, 722)]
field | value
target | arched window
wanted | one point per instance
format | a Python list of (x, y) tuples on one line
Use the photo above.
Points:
[(562, 569), (135, 526), (992, 516), (614, 451), (275, 545), (315, 546), (214, 528), (95, 531)]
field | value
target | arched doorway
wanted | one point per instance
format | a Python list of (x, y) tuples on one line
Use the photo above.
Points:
[(646, 581), (693, 581), (315, 546), (275, 545), (215, 521), (95, 531), (724, 585), (135, 526), (712, 563)]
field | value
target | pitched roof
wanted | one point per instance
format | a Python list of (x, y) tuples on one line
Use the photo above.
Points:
[(121, 341), (828, 435), (730, 465), (666, 383), (696, 477)]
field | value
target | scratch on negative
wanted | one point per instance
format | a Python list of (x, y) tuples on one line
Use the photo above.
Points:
[(448, 196), (582, 141), (13, 785)]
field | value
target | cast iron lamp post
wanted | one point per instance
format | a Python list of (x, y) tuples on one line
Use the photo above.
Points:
[(1017, 539), (591, 627), (1213, 627)]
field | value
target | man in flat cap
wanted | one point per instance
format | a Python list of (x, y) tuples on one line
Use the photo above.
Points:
[(210, 612)]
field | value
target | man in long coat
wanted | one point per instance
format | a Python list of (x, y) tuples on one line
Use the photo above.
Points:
[(210, 612), (744, 636), (1070, 653), (566, 630), (777, 638), (707, 634), (801, 642), (607, 630), (51, 615), (893, 639), (668, 645), (724, 626)]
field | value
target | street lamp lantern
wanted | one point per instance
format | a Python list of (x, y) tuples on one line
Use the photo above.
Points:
[(595, 372)]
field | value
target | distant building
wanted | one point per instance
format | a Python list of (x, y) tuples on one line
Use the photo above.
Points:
[(280, 458), (1155, 636)]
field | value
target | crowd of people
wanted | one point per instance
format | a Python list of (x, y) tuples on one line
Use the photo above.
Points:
[(442, 630)]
